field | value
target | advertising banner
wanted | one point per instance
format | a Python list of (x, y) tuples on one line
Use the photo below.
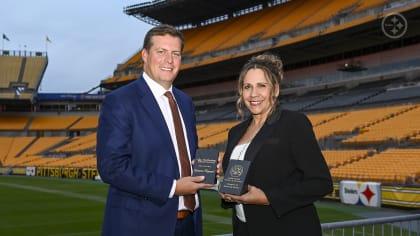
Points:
[(360, 193), (65, 172)]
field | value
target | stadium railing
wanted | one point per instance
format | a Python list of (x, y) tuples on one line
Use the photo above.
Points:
[(381, 226), (392, 225)]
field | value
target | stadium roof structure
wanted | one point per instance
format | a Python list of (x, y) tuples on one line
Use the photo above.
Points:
[(341, 44), (190, 13), (327, 41)]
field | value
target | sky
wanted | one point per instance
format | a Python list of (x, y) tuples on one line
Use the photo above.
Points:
[(88, 38)]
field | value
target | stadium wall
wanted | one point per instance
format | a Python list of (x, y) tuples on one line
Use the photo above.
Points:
[(392, 196)]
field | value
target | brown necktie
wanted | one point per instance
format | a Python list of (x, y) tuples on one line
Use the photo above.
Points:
[(189, 200)]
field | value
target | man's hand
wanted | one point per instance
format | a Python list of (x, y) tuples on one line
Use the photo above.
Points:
[(190, 185)]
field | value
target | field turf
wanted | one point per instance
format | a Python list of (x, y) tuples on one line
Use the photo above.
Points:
[(68, 207)]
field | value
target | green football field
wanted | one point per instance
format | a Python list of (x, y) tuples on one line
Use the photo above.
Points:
[(68, 207)]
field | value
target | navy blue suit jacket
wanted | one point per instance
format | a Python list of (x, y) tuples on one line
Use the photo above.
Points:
[(136, 157)]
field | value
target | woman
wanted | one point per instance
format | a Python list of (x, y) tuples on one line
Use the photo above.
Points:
[(287, 173)]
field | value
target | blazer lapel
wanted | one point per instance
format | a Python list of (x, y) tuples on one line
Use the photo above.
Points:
[(262, 135), (151, 108)]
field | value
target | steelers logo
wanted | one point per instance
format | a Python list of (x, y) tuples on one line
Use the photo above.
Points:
[(394, 25)]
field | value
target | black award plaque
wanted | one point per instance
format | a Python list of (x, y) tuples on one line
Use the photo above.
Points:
[(235, 182), (205, 164)]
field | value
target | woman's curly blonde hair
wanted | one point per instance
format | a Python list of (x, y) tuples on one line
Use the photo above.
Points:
[(272, 66)]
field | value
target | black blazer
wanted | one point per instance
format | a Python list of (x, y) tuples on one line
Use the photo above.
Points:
[(287, 164)]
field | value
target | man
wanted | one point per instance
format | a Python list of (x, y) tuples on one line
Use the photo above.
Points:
[(137, 148)]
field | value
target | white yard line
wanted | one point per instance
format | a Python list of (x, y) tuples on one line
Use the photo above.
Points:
[(57, 192)]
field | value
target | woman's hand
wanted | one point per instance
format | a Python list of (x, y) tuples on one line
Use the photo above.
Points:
[(254, 196)]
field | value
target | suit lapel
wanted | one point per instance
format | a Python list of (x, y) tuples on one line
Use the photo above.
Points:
[(151, 108), (262, 135)]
